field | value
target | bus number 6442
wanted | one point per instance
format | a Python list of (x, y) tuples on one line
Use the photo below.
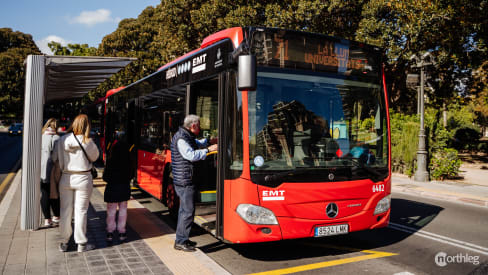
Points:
[(378, 188)]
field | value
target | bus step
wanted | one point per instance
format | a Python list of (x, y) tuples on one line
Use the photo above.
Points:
[(206, 222)]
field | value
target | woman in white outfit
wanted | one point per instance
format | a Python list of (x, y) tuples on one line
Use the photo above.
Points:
[(76, 184)]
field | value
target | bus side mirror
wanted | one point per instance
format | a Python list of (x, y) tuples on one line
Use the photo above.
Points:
[(247, 76)]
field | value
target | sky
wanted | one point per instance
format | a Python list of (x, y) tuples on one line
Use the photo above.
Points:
[(75, 22)]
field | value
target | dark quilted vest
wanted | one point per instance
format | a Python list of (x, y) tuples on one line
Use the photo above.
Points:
[(182, 168)]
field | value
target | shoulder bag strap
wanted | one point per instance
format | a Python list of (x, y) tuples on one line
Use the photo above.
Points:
[(83, 149)]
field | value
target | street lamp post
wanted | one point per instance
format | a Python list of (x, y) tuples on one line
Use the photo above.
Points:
[(422, 174)]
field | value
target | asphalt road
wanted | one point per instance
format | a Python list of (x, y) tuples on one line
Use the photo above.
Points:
[(11, 151), (420, 229)]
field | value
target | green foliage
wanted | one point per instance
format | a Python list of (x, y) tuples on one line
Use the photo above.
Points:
[(453, 31), (368, 123), (14, 48), (162, 33), (72, 49), (445, 164), (404, 142), (438, 136)]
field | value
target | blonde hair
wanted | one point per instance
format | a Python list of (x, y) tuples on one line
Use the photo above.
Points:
[(51, 123), (81, 126)]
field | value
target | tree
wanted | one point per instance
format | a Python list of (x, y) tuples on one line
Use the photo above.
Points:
[(479, 88), (14, 48), (175, 27), (72, 49), (453, 31)]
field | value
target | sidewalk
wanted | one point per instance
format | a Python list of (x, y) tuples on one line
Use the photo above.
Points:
[(472, 189), (148, 249)]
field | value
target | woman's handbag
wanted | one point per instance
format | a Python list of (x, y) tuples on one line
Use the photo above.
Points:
[(93, 170)]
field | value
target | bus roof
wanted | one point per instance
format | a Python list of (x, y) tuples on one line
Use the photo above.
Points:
[(234, 34)]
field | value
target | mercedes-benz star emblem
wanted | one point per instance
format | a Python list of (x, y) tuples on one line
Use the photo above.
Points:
[(332, 210)]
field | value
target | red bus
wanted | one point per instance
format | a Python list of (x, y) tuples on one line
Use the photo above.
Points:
[(303, 128), (101, 108)]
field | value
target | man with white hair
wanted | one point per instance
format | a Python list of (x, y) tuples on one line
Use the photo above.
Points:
[(185, 150)]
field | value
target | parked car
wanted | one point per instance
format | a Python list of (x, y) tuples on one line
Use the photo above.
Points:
[(16, 129)]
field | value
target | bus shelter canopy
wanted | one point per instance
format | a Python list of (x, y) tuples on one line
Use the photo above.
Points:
[(74, 76), (52, 78)]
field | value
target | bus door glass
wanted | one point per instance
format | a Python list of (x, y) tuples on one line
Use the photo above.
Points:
[(204, 103)]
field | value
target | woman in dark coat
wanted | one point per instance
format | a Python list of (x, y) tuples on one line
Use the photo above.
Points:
[(117, 190)]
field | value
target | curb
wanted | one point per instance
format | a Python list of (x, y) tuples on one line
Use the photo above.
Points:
[(407, 186)]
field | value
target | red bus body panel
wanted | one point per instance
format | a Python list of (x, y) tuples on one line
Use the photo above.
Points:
[(150, 168), (303, 208)]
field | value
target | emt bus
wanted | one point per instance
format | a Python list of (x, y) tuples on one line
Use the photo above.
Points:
[(303, 128)]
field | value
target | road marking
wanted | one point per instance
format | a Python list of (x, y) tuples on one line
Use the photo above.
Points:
[(440, 238), (5, 181), (10, 175), (371, 255)]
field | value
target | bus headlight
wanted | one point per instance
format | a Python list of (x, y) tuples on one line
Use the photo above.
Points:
[(383, 205), (254, 214)]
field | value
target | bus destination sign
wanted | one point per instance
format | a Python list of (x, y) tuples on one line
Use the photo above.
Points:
[(290, 49)]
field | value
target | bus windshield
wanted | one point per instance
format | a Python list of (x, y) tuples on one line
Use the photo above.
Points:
[(307, 127)]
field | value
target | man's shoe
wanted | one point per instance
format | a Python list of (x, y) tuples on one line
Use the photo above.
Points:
[(63, 247), (184, 247), (85, 247), (192, 243)]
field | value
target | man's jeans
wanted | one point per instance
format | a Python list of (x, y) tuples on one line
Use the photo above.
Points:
[(186, 212)]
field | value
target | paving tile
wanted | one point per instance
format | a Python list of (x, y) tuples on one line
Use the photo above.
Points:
[(140, 271), (59, 272), (134, 260), (74, 255), (96, 263), (127, 249), (151, 259), (136, 265), (146, 254), (112, 256), (99, 268), (115, 261), (94, 252), (57, 266), (122, 272), (79, 271), (118, 267), (14, 269), (160, 270), (36, 270), (129, 254)]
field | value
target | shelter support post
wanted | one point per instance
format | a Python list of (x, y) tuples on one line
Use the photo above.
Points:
[(31, 142)]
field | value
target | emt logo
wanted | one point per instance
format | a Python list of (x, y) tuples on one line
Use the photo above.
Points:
[(271, 195)]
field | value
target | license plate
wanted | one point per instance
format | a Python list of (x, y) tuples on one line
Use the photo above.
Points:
[(330, 230)]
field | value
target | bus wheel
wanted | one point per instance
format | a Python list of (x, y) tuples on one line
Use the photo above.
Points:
[(172, 200)]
